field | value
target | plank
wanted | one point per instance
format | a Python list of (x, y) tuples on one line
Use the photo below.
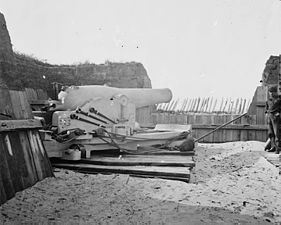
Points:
[(15, 100), (164, 152), (182, 172), (45, 160), (158, 176), (11, 158), (28, 158), (26, 109), (3, 197), (10, 125), (252, 135), (214, 105), (6, 178), (40, 155), (6, 107), (19, 162), (31, 94), (35, 155), (42, 95), (144, 160), (260, 112)]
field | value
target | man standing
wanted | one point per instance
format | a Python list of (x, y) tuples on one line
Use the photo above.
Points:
[(273, 110)]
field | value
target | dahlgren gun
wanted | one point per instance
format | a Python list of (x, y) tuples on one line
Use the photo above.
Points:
[(93, 118)]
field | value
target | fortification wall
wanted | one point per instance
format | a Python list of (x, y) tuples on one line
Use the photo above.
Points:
[(19, 71)]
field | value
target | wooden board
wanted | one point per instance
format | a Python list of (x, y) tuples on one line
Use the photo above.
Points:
[(171, 153), (28, 157), (19, 161), (21, 107), (5, 174), (117, 152), (10, 125), (15, 100), (26, 109), (10, 153), (23, 159), (168, 172), (140, 160), (6, 108)]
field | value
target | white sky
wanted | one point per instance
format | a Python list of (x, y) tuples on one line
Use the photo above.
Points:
[(195, 47)]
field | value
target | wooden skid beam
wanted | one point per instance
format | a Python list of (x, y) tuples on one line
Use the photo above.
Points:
[(139, 160), (168, 172), (10, 125), (117, 152), (173, 153)]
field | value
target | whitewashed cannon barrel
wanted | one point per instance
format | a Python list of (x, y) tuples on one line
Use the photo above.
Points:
[(75, 96)]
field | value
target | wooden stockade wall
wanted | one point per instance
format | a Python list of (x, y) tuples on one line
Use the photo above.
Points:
[(206, 114), (206, 105), (23, 159)]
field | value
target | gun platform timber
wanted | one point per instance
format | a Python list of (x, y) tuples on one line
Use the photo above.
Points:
[(173, 165)]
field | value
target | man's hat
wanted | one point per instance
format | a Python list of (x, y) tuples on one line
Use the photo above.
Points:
[(272, 89)]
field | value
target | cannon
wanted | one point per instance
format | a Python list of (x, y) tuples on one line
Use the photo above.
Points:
[(93, 117), (75, 96)]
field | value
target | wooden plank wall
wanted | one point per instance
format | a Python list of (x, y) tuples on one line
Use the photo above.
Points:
[(243, 129), (23, 159), (231, 133), (37, 94), (36, 98), (200, 118), (257, 106), (143, 116)]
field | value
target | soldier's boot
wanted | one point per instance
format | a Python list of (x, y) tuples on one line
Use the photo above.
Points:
[(278, 150), (272, 144), (278, 145)]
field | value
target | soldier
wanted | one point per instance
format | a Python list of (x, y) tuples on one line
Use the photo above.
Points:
[(273, 110)]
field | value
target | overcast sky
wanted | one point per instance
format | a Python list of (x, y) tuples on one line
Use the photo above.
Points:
[(195, 47)]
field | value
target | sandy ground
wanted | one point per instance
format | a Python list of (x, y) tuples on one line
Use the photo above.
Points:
[(232, 184)]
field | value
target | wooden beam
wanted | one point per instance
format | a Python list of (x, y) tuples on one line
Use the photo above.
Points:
[(141, 160), (10, 125), (155, 171), (38, 102)]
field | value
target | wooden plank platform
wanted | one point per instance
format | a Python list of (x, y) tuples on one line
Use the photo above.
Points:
[(139, 160), (177, 173), (174, 167), (162, 152)]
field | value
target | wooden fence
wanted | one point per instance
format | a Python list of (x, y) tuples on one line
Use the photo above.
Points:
[(205, 114), (206, 105), (33, 95), (243, 129), (23, 159), (257, 106)]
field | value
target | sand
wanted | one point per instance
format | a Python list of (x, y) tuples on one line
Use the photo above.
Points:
[(232, 184)]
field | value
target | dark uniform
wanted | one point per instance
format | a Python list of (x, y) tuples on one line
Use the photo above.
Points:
[(273, 110)]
